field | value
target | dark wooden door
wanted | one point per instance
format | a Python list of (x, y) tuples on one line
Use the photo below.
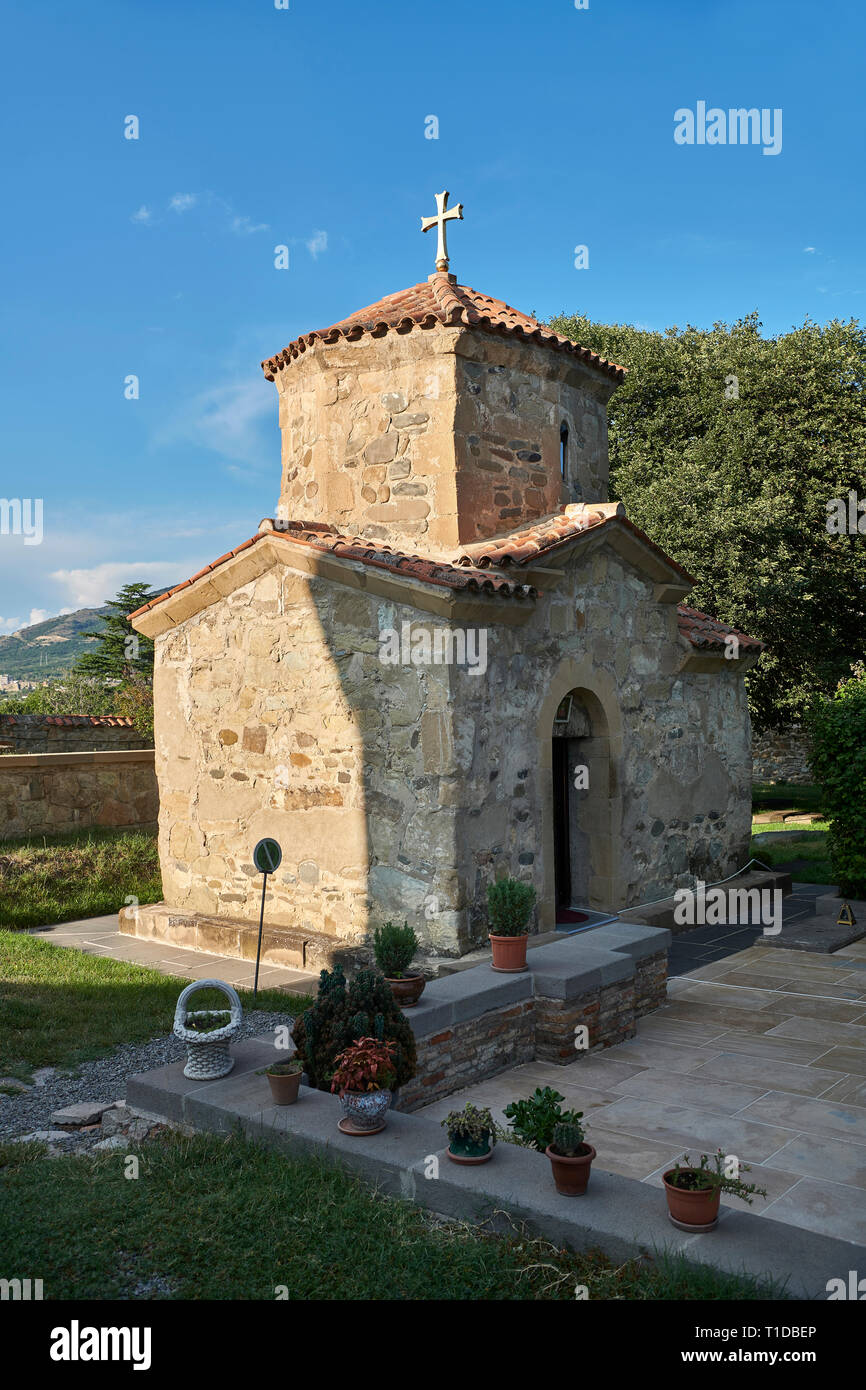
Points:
[(561, 852)]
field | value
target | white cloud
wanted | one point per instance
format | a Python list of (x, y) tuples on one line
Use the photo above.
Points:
[(182, 202), (810, 250), (244, 226), (8, 625), (89, 588), (144, 214), (228, 418), (317, 243)]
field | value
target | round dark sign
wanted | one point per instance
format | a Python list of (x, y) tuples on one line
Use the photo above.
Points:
[(267, 856)]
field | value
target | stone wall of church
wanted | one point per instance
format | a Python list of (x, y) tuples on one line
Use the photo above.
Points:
[(672, 773), (367, 439), (436, 438), (263, 728), (400, 790), (512, 401)]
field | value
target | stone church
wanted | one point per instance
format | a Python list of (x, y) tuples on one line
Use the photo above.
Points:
[(448, 656)]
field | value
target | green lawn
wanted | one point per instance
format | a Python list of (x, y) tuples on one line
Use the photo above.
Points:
[(60, 1006), (221, 1218), (59, 878)]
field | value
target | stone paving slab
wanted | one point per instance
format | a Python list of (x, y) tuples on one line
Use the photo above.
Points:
[(100, 936)]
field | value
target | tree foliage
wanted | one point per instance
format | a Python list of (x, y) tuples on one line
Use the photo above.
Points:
[(122, 651), (838, 730), (726, 448)]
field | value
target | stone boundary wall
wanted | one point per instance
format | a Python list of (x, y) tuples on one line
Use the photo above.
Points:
[(471, 1051), (48, 733), (782, 755), (472, 1024), (609, 1013), (51, 793)]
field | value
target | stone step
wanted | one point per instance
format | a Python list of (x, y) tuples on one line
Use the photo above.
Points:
[(618, 1215)]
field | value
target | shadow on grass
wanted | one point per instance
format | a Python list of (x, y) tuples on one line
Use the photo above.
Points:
[(60, 1006)]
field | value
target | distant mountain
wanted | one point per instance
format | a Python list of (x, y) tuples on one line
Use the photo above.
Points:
[(48, 649)]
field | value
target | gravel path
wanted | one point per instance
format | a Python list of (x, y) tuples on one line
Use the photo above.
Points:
[(103, 1080)]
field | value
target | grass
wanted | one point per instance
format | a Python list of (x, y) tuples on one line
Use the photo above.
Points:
[(61, 1007), (60, 878), (218, 1217), (770, 796)]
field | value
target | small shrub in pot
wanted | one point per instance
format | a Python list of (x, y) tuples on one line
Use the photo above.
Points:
[(509, 906), (694, 1193), (471, 1134), (363, 1077), (394, 948)]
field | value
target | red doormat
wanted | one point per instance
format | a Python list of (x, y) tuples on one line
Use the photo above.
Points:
[(567, 914)]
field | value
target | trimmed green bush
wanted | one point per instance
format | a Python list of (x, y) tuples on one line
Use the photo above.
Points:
[(838, 730), (343, 1013), (509, 905), (394, 946)]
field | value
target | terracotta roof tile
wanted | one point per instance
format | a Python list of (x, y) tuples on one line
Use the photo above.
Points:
[(70, 721), (708, 634), (471, 571), (317, 536), (440, 300)]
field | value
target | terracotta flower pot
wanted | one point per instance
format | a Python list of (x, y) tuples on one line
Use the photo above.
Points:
[(698, 1209), (407, 990), (509, 953), (284, 1086), (571, 1175)]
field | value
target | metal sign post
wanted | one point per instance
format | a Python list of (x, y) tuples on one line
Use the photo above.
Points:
[(267, 857)]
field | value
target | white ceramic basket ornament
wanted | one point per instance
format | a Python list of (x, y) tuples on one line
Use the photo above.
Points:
[(207, 1054)]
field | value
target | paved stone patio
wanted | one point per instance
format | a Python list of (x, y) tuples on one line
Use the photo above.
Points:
[(763, 1054), (99, 936)]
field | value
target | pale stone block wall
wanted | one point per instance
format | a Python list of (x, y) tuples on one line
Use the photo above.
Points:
[(511, 403), (51, 793), (438, 437), (400, 791), (367, 436)]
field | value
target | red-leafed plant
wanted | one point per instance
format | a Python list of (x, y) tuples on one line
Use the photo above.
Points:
[(368, 1065)]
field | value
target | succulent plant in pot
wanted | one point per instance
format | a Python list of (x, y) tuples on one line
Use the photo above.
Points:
[(570, 1155), (471, 1134), (363, 1077), (394, 947), (284, 1079), (509, 906), (694, 1193), (534, 1118)]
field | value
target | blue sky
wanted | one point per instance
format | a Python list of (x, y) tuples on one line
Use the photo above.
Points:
[(306, 127)]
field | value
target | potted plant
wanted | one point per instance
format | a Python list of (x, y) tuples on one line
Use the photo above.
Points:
[(509, 905), (394, 946), (363, 1078), (471, 1134), (534, 1119), (344, 1011), (284, 1079), (694, 1194), (570, 1156), (207, 1032)]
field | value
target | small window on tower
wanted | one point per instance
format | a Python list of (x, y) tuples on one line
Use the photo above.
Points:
[(563, 451)]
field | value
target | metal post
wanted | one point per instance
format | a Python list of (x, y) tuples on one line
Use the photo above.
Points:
[(259, 946)]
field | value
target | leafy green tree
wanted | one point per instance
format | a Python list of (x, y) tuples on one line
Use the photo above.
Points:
[(73, 693), (838, 730), (727, 449), (122, 651)]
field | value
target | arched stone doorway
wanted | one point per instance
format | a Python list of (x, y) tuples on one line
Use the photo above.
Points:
[(580, 745)]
